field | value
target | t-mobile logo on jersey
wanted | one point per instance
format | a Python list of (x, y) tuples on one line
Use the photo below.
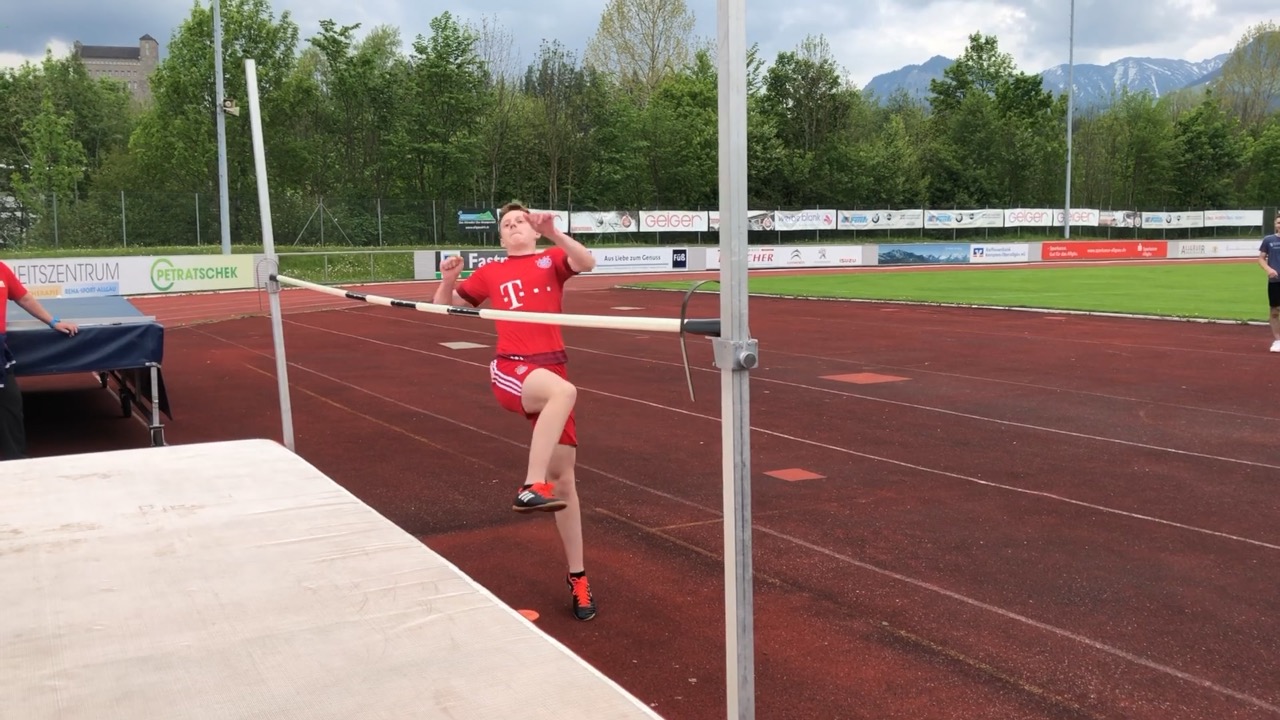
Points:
[(512, 292)]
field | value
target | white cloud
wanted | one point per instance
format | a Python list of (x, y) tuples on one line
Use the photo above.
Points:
[(868, 37), (11, 59)]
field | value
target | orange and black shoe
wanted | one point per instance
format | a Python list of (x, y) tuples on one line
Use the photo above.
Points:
[(537, 498), (584, 606)]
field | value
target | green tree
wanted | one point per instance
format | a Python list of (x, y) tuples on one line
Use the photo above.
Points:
[(1263, 185), (1208, 151), (1250, 81), (641, 42), (54, 162), (438, 135), (994, 131), (809, 106)]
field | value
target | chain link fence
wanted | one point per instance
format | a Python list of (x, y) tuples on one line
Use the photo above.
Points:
[(139, 219)]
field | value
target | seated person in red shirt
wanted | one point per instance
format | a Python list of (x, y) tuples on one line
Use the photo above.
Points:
[(528, 374), (13, 435)]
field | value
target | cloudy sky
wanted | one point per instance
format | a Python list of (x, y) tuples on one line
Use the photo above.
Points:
[(869, 37)]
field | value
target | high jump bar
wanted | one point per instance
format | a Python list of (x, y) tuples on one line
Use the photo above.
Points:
[(701, 326)]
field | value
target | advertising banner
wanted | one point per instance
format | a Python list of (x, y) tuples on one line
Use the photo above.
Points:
[(1160, 220), (952, 219), (1118, 218), (673, 221), (1104, 250), (1219, 248), (923, 253), (757, 257), (880, 219), (471, 259), (614, 221), (639, 260), (756, 220), (1085, 217), (1029, 217), (478, 220), (134, 275), (804, 219), (1232, 218), (999, 253)]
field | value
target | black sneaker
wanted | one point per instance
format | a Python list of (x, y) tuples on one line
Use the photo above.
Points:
[(584, 607), (537, 498)]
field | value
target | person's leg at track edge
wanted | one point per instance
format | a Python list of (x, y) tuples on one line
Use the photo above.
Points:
[(1273, 299), (13, 440), (552, 459)]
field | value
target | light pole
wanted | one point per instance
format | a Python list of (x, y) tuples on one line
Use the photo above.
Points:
[(224, 211), (1071, 81)]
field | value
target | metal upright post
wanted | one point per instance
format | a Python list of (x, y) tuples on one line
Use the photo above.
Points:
[(269, 250), (224, 205), (1071, 81), (735, 355)]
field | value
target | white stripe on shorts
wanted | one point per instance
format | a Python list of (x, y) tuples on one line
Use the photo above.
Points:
[(506, 382)]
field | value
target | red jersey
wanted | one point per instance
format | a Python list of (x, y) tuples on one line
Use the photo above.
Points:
[(524, 283), (11, 288)]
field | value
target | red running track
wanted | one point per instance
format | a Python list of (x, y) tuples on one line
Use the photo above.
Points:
[(1047, 516)]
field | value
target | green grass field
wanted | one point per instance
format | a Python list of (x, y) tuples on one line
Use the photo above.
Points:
[(1226, 291)]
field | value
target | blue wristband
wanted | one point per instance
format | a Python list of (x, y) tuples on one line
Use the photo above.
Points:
[(54, 322)]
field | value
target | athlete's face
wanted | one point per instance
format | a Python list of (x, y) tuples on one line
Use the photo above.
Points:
[(518, 236)]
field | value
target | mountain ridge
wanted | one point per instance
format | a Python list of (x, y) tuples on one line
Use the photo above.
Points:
[(1094, 85)]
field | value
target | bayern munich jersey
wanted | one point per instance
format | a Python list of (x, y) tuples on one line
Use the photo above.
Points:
[(522, 283)]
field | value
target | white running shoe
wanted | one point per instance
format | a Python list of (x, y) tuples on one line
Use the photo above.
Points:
[(1275, 346)]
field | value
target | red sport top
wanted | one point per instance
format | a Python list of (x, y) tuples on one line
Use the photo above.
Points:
[(11, 288), (523, 283)]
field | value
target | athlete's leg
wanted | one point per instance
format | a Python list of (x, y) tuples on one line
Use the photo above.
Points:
[(551, 397), (569, 523), (569, 520)]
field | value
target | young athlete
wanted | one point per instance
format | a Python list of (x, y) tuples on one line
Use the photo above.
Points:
[(1269, 259), (528, 374), (13, 435)]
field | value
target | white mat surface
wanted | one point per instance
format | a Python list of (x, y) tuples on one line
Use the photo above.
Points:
[(234, 580)]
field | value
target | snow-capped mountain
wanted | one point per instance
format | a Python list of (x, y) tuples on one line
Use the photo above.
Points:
[(1095, 85)]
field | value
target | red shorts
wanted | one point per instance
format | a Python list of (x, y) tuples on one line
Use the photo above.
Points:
[(507, 379)]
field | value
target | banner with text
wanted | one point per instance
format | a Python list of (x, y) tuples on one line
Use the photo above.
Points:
[(999, 253), (1232, 218), (787, 220), (1029, 217), (1223, 248), (673, 221), (1084, 217), (478, 220), (796, 256), (959, 219), (880, 219), (134, 275), (1158, 220), (639, 260), (1104, 250)]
